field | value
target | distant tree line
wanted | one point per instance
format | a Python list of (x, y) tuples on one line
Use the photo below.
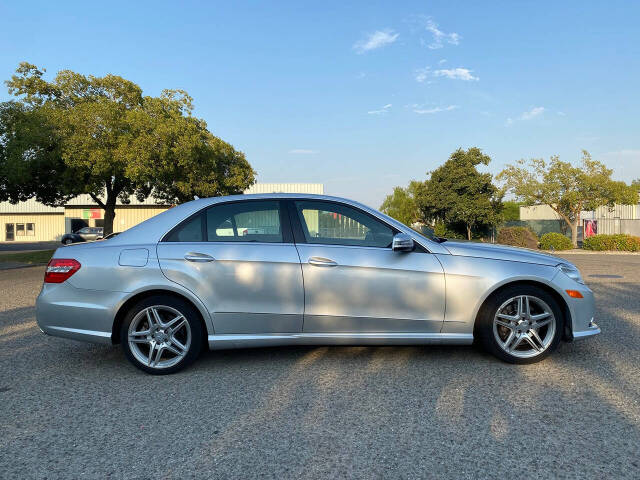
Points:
[(457, 200)]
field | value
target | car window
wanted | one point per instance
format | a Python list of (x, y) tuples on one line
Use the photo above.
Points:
[(189, 231), (335, 224), (244, 222), (84, 230)]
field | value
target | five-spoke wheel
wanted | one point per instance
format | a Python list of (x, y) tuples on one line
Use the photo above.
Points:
[(524, 326), (520, 324), (162, 334)]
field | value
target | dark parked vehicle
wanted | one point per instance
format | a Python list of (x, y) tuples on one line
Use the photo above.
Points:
[(83, 235), (111, 235)]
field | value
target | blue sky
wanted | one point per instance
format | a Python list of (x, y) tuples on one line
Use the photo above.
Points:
[(363, 96)]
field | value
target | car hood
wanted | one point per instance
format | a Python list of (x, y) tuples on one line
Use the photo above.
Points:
[(500, 252)]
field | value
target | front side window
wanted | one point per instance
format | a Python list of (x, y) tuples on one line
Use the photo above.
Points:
[(244, 222), (31, 229), (334, 224)]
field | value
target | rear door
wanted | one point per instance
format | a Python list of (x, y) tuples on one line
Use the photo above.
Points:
[(240, 260), (355, 283)]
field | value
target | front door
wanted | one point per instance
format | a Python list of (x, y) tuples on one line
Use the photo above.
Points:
[(9, 234), (240, 260), (355, 283)]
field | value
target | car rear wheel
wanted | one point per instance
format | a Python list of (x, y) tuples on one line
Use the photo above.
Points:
[(162, 335), (68, 241), (520, 324)]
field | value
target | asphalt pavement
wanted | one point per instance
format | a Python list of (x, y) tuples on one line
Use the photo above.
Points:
[(28, 246), (76, 410)]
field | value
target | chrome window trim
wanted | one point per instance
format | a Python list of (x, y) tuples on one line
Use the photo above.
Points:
[(203, 210), (210, 202)]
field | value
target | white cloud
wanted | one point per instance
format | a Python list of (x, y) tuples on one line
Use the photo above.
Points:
[(528, 115), (440, 37), (422, 74), (562, 114), (443, 61), (380, 111), (375, 40), (533, 113), (302, 151), (421, 110), (456, 74)]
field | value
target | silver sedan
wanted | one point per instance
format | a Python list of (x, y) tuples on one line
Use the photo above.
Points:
[(286, 269)]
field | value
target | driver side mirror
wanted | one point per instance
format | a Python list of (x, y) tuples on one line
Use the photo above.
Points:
[(402, 243)]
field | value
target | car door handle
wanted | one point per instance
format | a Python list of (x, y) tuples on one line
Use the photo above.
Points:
[(198, 257), (322, 262)]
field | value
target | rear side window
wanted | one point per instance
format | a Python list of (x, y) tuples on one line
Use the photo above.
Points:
[(244, 222), (189, 231)]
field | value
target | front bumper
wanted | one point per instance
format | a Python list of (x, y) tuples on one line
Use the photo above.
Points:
[(65, 311), (581, 310), (593, 329)]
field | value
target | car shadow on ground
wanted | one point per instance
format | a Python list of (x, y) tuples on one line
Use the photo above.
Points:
[(338, 411)]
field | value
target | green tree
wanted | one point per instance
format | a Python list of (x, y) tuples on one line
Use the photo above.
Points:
[(567, 189), (511, 211), (102, 137), (401, 204), (457, 193)]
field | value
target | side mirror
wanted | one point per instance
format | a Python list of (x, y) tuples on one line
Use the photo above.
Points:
[(402, 243)]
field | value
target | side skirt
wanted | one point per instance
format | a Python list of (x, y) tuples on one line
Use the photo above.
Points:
[(221, 342)]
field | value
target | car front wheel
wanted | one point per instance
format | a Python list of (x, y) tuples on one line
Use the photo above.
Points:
[(162, 334), (520, 324)]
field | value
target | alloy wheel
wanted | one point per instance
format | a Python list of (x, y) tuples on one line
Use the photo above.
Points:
[(524, 326), (159, 336)]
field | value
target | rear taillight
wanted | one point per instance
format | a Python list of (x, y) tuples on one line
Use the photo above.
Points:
[(59, 269)]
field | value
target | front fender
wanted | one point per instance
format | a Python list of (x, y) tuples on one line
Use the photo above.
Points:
[(471, 280)]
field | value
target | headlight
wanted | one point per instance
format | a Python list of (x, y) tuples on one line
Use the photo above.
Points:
[(571, 272)]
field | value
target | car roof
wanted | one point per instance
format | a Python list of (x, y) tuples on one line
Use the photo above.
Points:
[(153, 229)]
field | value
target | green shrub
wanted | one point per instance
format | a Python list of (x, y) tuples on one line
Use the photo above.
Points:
[(555, 241), (442, 230), (620, 241), (518, 237)]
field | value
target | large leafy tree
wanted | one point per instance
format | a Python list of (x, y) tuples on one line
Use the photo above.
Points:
[(566, 188), (401, 204), (102, 137), (457, 192)]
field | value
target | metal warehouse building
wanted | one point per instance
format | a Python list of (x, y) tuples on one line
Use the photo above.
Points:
[(31, 221), (618, 219)]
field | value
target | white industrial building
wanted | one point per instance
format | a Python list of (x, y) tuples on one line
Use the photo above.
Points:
[(618, 219), (31, 221)]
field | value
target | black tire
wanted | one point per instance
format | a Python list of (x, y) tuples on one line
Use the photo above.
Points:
[(195, 326), (67, 241), (484, 326)]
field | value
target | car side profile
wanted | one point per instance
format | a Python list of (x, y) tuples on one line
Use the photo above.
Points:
[(289, 269)]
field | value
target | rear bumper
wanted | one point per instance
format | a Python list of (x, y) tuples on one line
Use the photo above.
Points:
[(87, 315)]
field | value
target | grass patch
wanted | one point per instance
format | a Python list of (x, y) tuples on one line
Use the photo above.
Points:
[(41, 256)]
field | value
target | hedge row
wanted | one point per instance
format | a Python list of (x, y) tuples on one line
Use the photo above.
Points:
[(518, 237), (621, 242), (555, 241)]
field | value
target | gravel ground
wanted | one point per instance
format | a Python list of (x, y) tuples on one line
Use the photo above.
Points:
[(74, 410)]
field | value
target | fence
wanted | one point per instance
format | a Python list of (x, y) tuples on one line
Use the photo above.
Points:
[(540, 227), (605, 226), (618, 225)]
